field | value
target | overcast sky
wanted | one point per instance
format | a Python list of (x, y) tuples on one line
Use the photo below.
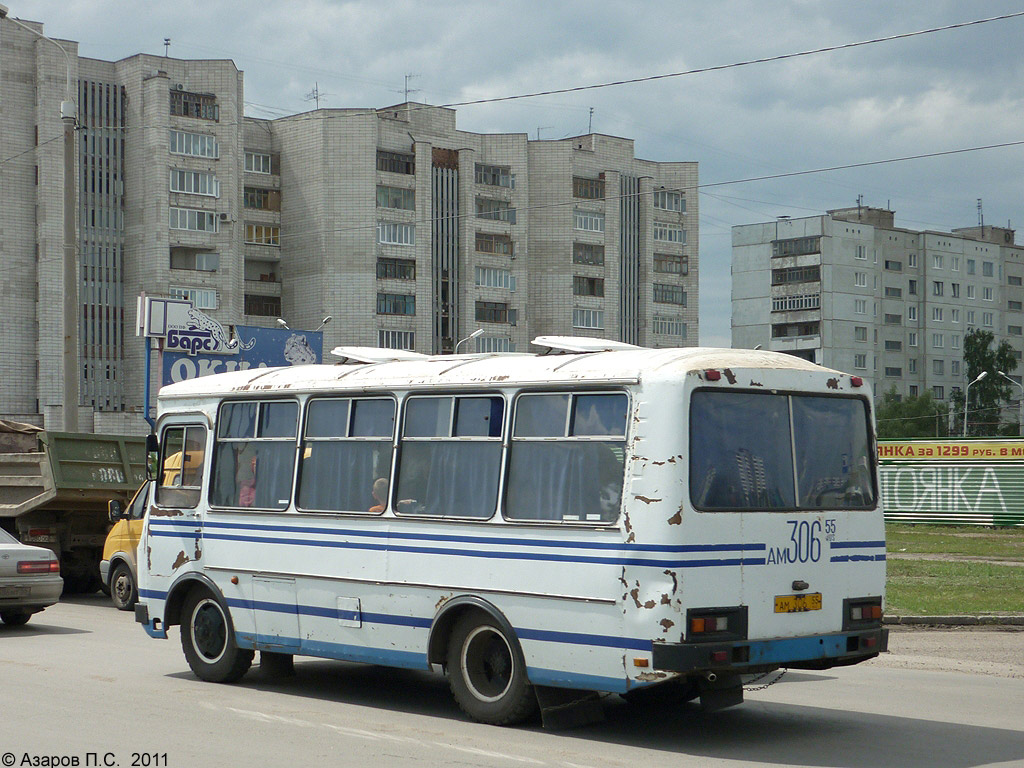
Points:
[(930, 93)]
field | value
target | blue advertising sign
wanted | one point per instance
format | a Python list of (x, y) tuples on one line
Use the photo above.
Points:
[(257, 348)]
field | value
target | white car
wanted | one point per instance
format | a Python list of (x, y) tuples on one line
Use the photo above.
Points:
[(29, 579)]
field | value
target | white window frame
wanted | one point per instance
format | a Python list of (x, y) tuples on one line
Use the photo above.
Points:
[(860, 306), (667, 233), (494, 277), (860, 361), (587, 318), (194, 183), (860, 279), (588, 221), (911, 313), (938, 341), (201, 298), (388, 338), (257, 162), (669, 200), (192, 220), (396, 233), (193, 144)]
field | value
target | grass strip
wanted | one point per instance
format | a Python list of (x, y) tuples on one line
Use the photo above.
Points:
[(942, 588)]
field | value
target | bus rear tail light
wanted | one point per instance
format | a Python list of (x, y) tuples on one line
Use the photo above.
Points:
[(712, 375), (862, 611), (716, 624), (39, 566), (856, 381)]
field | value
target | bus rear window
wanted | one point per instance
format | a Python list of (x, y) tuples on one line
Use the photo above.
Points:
[(762, 451)]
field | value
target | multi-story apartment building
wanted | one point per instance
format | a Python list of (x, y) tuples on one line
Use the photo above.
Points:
[(852, 291), (409, 232)]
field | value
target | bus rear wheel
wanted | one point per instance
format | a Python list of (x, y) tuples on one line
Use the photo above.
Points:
[(486, 672), (208, 640)]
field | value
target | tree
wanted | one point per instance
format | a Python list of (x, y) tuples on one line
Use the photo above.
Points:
[(988, 395), (915, 416)]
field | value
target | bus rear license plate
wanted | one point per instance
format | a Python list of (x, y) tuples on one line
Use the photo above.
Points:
[(14, 591), (798, 603)]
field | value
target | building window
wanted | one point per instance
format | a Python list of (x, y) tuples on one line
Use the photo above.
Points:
[(912, 287), (496, 210), (588, 286), (939, 393), (488, 243), (396, 197), (262, 306), (954, 341), (200, 105), (791, 303), (970, 291), (912, 339), (192, 220), (893, 346), (937, 288), (666, 233), (396, 304), (257, 162), (194, 183), (911, 313), (494, 344), (201, 298), (894, 293), (939, 367), (1014, 306), (893, 373), (1013, 280), (986, 269), (970, 317), (588, 318), (911, 365), (668, 326), (258, 199), (787, 330), (396, 162), (588, 221), (893, 319), (954, 367), (672, 263), (669, 294), (200, 261), (788, 275), (495, 176), (911, 259), (393, 233), (860, 306), (861, 253), (955, 288), (937, 261), (1013, 330), (895, 266), (262, 234), (194, 144), (388, 339), (912, 389), (669, 200), (860, 279), (937, 314), (860, 333), (798, 246), (399, 269), (494, 312), (986, 294), (588, 189), (954, 263), (587, 253), (492, 277), (860, 362), (937, 341), (970, 266)]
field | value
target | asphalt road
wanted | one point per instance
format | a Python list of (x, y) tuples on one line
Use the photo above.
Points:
[(82, 681)]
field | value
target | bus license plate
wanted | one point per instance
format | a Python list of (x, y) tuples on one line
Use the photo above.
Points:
[(14, 591), (798, 603)]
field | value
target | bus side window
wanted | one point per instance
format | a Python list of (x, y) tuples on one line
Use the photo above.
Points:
[(346, 460), (254, 454), (183, 453), (567, 457)]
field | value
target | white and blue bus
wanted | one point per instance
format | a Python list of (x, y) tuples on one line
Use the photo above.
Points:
[(599, 518)]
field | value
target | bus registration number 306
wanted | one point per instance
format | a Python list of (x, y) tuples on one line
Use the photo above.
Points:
[(798, 603)]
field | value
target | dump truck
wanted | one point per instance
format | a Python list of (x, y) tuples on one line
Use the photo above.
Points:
[(54, 490)]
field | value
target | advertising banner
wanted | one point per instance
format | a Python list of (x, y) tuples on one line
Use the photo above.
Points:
[(255, 348)]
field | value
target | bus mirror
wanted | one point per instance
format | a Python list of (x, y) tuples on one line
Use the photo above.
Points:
[(152, 455)]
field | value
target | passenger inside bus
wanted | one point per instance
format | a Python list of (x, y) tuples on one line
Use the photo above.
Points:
[(380, 495)]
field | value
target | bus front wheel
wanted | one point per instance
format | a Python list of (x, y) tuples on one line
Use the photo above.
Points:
[(208, 641), (486, 672)]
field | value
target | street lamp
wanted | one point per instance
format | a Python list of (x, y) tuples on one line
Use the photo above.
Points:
[(68, 113), (323, 322), (967, 393), (1020, 415), (473, 335), (283, 324)]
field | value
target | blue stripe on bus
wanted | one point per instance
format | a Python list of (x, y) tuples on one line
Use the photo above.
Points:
[(681, 548), (338, 651), (856, 544), (562, 679), (534, 556), (855, 558)]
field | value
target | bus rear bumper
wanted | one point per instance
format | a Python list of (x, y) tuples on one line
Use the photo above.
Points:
[(809, 652)]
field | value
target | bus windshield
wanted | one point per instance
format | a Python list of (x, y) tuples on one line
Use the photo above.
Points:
[(764, 451)]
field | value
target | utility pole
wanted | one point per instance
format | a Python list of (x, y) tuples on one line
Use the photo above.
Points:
[(69, 116)]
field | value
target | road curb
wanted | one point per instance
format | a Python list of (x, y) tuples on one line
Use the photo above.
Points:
[(956, 621)]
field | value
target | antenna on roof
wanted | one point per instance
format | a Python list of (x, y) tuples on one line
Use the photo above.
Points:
[(316, 94)]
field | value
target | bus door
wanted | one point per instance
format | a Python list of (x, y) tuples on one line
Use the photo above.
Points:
[(175, 529)]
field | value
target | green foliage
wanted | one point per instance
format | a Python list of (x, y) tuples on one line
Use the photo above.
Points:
[(916, 416), (989, 395)]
